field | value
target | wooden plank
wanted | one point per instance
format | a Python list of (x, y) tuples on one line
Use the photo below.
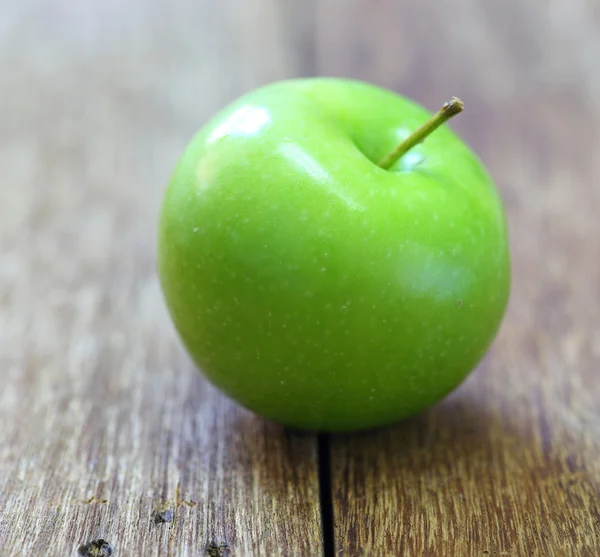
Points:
[(103, 420), (509, 464)]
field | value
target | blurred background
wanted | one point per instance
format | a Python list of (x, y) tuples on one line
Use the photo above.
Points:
[(99, 98)]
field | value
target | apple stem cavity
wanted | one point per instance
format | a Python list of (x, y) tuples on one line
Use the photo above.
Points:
[(450, 109)]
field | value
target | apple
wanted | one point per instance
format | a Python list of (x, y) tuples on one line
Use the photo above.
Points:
[(330, 260)]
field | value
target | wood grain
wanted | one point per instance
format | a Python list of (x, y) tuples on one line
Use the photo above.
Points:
[(103, 420), (107, 431), (510, 463)]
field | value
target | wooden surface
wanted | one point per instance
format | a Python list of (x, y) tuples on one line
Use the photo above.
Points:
[(102, 416), (510, 464), (104, 423)]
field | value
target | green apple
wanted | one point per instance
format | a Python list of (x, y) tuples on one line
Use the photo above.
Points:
[(320, 274)]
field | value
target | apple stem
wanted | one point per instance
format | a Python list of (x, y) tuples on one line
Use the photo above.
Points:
[(451, 108)]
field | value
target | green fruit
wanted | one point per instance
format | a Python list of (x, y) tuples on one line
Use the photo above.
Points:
[(313, 286)]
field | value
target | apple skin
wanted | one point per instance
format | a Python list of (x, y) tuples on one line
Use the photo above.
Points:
[(315, 288)]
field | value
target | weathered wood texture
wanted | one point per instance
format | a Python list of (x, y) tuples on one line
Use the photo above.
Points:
[(102, 417), (510, 464)]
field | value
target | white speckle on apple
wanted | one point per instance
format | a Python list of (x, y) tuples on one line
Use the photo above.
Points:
[(323, 269), (344, 309), (196, 229)]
